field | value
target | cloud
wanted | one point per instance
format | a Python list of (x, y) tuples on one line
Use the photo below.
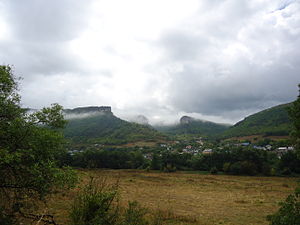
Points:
[(235, 61), (39, 35), (212, 59)]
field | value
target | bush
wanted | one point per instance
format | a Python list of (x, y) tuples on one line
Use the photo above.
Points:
[(214, 170), (244, 167), (289, 212), (134, 215), (235, 168), (226, 167), (286, 171), (94, 205), (248, 168), (169, 168), (97, 204)]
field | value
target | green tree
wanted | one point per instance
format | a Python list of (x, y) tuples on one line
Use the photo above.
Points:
[(289, 212), (29, 147), (156, 162), (96, 204), (294, 113)]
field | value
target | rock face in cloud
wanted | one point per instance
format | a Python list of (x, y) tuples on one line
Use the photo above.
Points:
[(221, 60), (140, 119), (186, 120)]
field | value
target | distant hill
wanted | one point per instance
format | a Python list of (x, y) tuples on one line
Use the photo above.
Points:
[(140, 119), (189, 125), (270, 122), (99, 125)]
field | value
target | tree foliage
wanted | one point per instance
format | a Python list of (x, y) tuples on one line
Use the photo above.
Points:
[(29, 147), (294, 112), (98, 204), (289, 212)]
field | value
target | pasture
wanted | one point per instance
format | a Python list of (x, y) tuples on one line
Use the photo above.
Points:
[(190, 198)]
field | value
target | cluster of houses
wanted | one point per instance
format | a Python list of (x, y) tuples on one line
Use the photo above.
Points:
[(278, 150), (199, 150)]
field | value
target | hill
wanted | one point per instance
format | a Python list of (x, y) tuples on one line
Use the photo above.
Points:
[(270, 122), (189, 125), (100, 125)]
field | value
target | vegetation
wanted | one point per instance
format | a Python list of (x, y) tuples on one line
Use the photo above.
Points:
[(113, 159), (274, 121), (189, 198), (194, 126), (230, 160), (289, 212), (29, 148), (105, 128), (294, 112), (98, 204)]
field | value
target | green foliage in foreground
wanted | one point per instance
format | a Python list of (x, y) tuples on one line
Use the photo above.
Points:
[(29, 148), (274, 121), (294, 113), (289, 212), (97, 204)]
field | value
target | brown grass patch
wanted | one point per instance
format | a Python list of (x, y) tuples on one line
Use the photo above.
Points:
[(183, 198)]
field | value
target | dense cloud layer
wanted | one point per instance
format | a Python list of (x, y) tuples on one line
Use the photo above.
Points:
[(217, 60)]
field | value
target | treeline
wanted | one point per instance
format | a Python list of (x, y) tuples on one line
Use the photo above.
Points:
[(235, 160)]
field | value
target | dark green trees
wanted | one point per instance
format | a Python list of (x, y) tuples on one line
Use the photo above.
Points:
[(289, 212), (294, 113), (29, 146)]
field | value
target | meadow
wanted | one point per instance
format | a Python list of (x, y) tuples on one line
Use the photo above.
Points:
[(189, 197)]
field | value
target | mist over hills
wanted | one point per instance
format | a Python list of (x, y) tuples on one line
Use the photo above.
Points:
[(190, 125), (99, 125)]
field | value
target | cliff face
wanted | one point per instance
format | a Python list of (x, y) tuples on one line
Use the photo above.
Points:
[(90, 109), (186, 120)]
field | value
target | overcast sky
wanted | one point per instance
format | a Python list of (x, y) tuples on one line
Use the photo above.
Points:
[(218, 60)]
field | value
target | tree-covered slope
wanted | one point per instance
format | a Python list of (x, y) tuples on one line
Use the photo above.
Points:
[(104, 127), (271, 122), (189, 125)]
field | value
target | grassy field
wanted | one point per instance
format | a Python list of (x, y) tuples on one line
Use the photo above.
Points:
[(191, 198)]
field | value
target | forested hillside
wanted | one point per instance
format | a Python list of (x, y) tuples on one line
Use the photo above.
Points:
[(189, 125), (270, 122), (105, 128)]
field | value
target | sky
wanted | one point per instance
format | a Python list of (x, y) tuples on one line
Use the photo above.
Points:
[(217, 60)]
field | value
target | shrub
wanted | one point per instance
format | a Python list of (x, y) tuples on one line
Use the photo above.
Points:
[(226, 167), (214, 170), (134, 215), (97, 204), (94, 205), (286, 171), (235, 168), (289, 212), (169, 168), (248, 168)]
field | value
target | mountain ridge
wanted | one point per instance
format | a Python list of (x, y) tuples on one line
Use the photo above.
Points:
[(273, 121)]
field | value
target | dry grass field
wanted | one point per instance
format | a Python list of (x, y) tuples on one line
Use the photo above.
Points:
[(190, 198)]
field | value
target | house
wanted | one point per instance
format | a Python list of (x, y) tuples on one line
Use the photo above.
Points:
[(282, 150), (207, 151)]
